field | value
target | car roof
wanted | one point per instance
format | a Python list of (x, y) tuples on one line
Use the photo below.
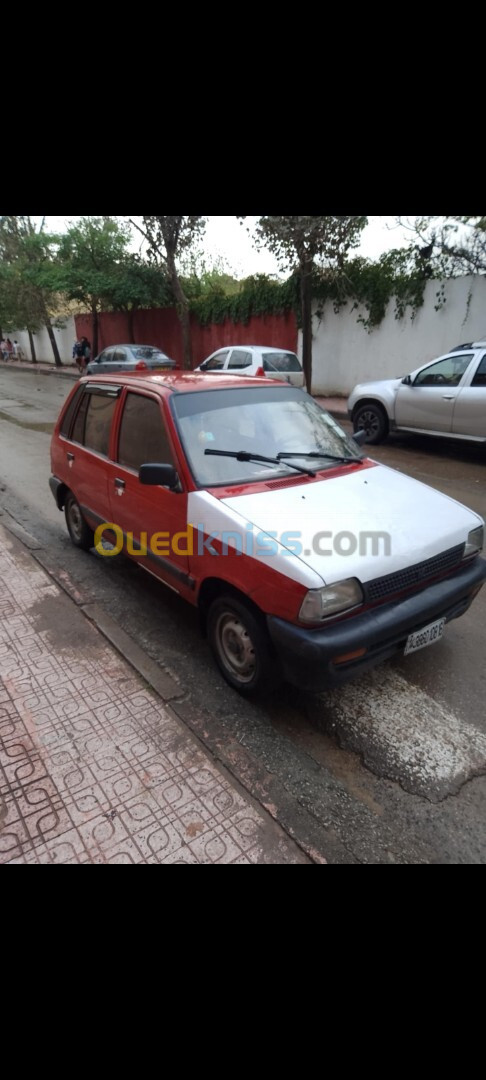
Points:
[(256, 348), (183, 381), (123, 345)]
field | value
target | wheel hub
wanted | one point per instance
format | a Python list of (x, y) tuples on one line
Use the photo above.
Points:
[(236, 647)]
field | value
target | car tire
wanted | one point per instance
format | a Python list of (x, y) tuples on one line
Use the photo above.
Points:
[(81, 534), (240, 646), (372, 419)]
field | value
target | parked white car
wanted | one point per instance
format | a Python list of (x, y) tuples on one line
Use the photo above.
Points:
[(256, 360), (445, 397)]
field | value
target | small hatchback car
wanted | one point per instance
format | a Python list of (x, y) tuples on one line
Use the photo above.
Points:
[(261, 360), (307, 560)]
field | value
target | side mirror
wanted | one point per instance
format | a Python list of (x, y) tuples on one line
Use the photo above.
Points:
[(407, 381), (360, 436), (165, 475)]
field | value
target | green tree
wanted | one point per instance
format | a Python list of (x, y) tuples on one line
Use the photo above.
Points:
[(168, 238), (26, 254), (134, 285), (91, 261), (448, 246), (302, 243)]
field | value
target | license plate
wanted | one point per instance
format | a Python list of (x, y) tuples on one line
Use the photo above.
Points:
[(424, 637)]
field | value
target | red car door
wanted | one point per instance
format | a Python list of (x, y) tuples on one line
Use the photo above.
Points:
[(154, 516), (84, 455)]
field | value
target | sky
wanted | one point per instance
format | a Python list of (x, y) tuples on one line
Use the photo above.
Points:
[(227, 240)]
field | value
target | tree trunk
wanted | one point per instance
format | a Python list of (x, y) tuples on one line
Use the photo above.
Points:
[(32, 347), (306, 315), (94, 324), (52, 339), (182, 308)]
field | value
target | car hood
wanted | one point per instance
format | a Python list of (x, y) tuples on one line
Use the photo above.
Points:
[(349, 515), (381, 386)]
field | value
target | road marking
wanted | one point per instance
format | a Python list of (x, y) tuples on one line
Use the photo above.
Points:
[(404, 734)]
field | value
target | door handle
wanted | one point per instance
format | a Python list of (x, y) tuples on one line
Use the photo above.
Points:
[(448, 397), (119, 483), (70, 457)]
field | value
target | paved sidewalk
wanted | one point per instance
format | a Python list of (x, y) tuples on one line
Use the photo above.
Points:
[(335, 405), (68, 370), (94, 766)]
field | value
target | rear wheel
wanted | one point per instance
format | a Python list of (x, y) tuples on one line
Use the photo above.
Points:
[(81, 534), (240, 645), (373, 420)]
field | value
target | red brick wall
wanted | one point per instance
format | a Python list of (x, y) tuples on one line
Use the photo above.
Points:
[(161, 327)]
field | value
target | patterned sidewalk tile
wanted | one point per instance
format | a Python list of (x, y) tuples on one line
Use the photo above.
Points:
[(93, 768)]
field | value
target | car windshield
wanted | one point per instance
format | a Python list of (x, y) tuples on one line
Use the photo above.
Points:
[(281, 361), (257, 421)]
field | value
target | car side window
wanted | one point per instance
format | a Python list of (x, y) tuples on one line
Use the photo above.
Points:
[(446, 372), (239, 359), (69, 413), (106, 355), (120, 356), (93, 421), (480, 376), (215, 363), (143, 434)]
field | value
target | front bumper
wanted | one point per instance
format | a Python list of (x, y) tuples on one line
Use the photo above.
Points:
[(306, 656)]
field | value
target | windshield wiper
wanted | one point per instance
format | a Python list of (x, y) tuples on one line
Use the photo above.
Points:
[(245, 455), (317, 454)]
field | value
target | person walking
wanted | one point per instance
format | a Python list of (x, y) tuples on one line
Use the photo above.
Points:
[(9, 347), (86, 351)]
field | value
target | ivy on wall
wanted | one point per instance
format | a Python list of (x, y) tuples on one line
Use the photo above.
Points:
[(257, 295), (365, 285)]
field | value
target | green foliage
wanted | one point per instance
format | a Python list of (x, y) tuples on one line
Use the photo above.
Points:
[(373, 286), (448, 246), (303, 241), (24, 253), (257, 295)]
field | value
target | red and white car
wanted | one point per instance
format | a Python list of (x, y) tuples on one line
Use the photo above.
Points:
[(307, 560)]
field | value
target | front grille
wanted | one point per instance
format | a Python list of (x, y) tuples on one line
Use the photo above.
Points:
[(412, 576)]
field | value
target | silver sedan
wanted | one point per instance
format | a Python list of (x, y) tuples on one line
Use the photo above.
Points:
[(130, 358)]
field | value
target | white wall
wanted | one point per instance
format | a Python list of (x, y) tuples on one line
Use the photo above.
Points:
[(344, 353), (43, 348)]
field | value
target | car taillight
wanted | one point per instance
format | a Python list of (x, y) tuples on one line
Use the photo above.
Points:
[(259, 372), (141, 366)]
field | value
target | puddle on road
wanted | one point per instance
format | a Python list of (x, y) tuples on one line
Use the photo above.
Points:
[(48, 428)]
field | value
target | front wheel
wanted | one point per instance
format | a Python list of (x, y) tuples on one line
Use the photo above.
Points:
[(372, 419), (81, 534), (240, 646)]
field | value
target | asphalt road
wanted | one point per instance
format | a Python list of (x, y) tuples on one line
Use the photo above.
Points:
[(387, 769)]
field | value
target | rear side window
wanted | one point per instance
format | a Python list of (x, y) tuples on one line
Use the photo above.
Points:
[(70, 412), (480, 376), (240, 359), (143, 435), (93, 421), (281, 361)]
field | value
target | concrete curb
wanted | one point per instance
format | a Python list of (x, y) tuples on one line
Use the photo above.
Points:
[(65, 373)]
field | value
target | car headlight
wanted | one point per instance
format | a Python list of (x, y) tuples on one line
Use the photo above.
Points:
[(318, 604), (475, 542)]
